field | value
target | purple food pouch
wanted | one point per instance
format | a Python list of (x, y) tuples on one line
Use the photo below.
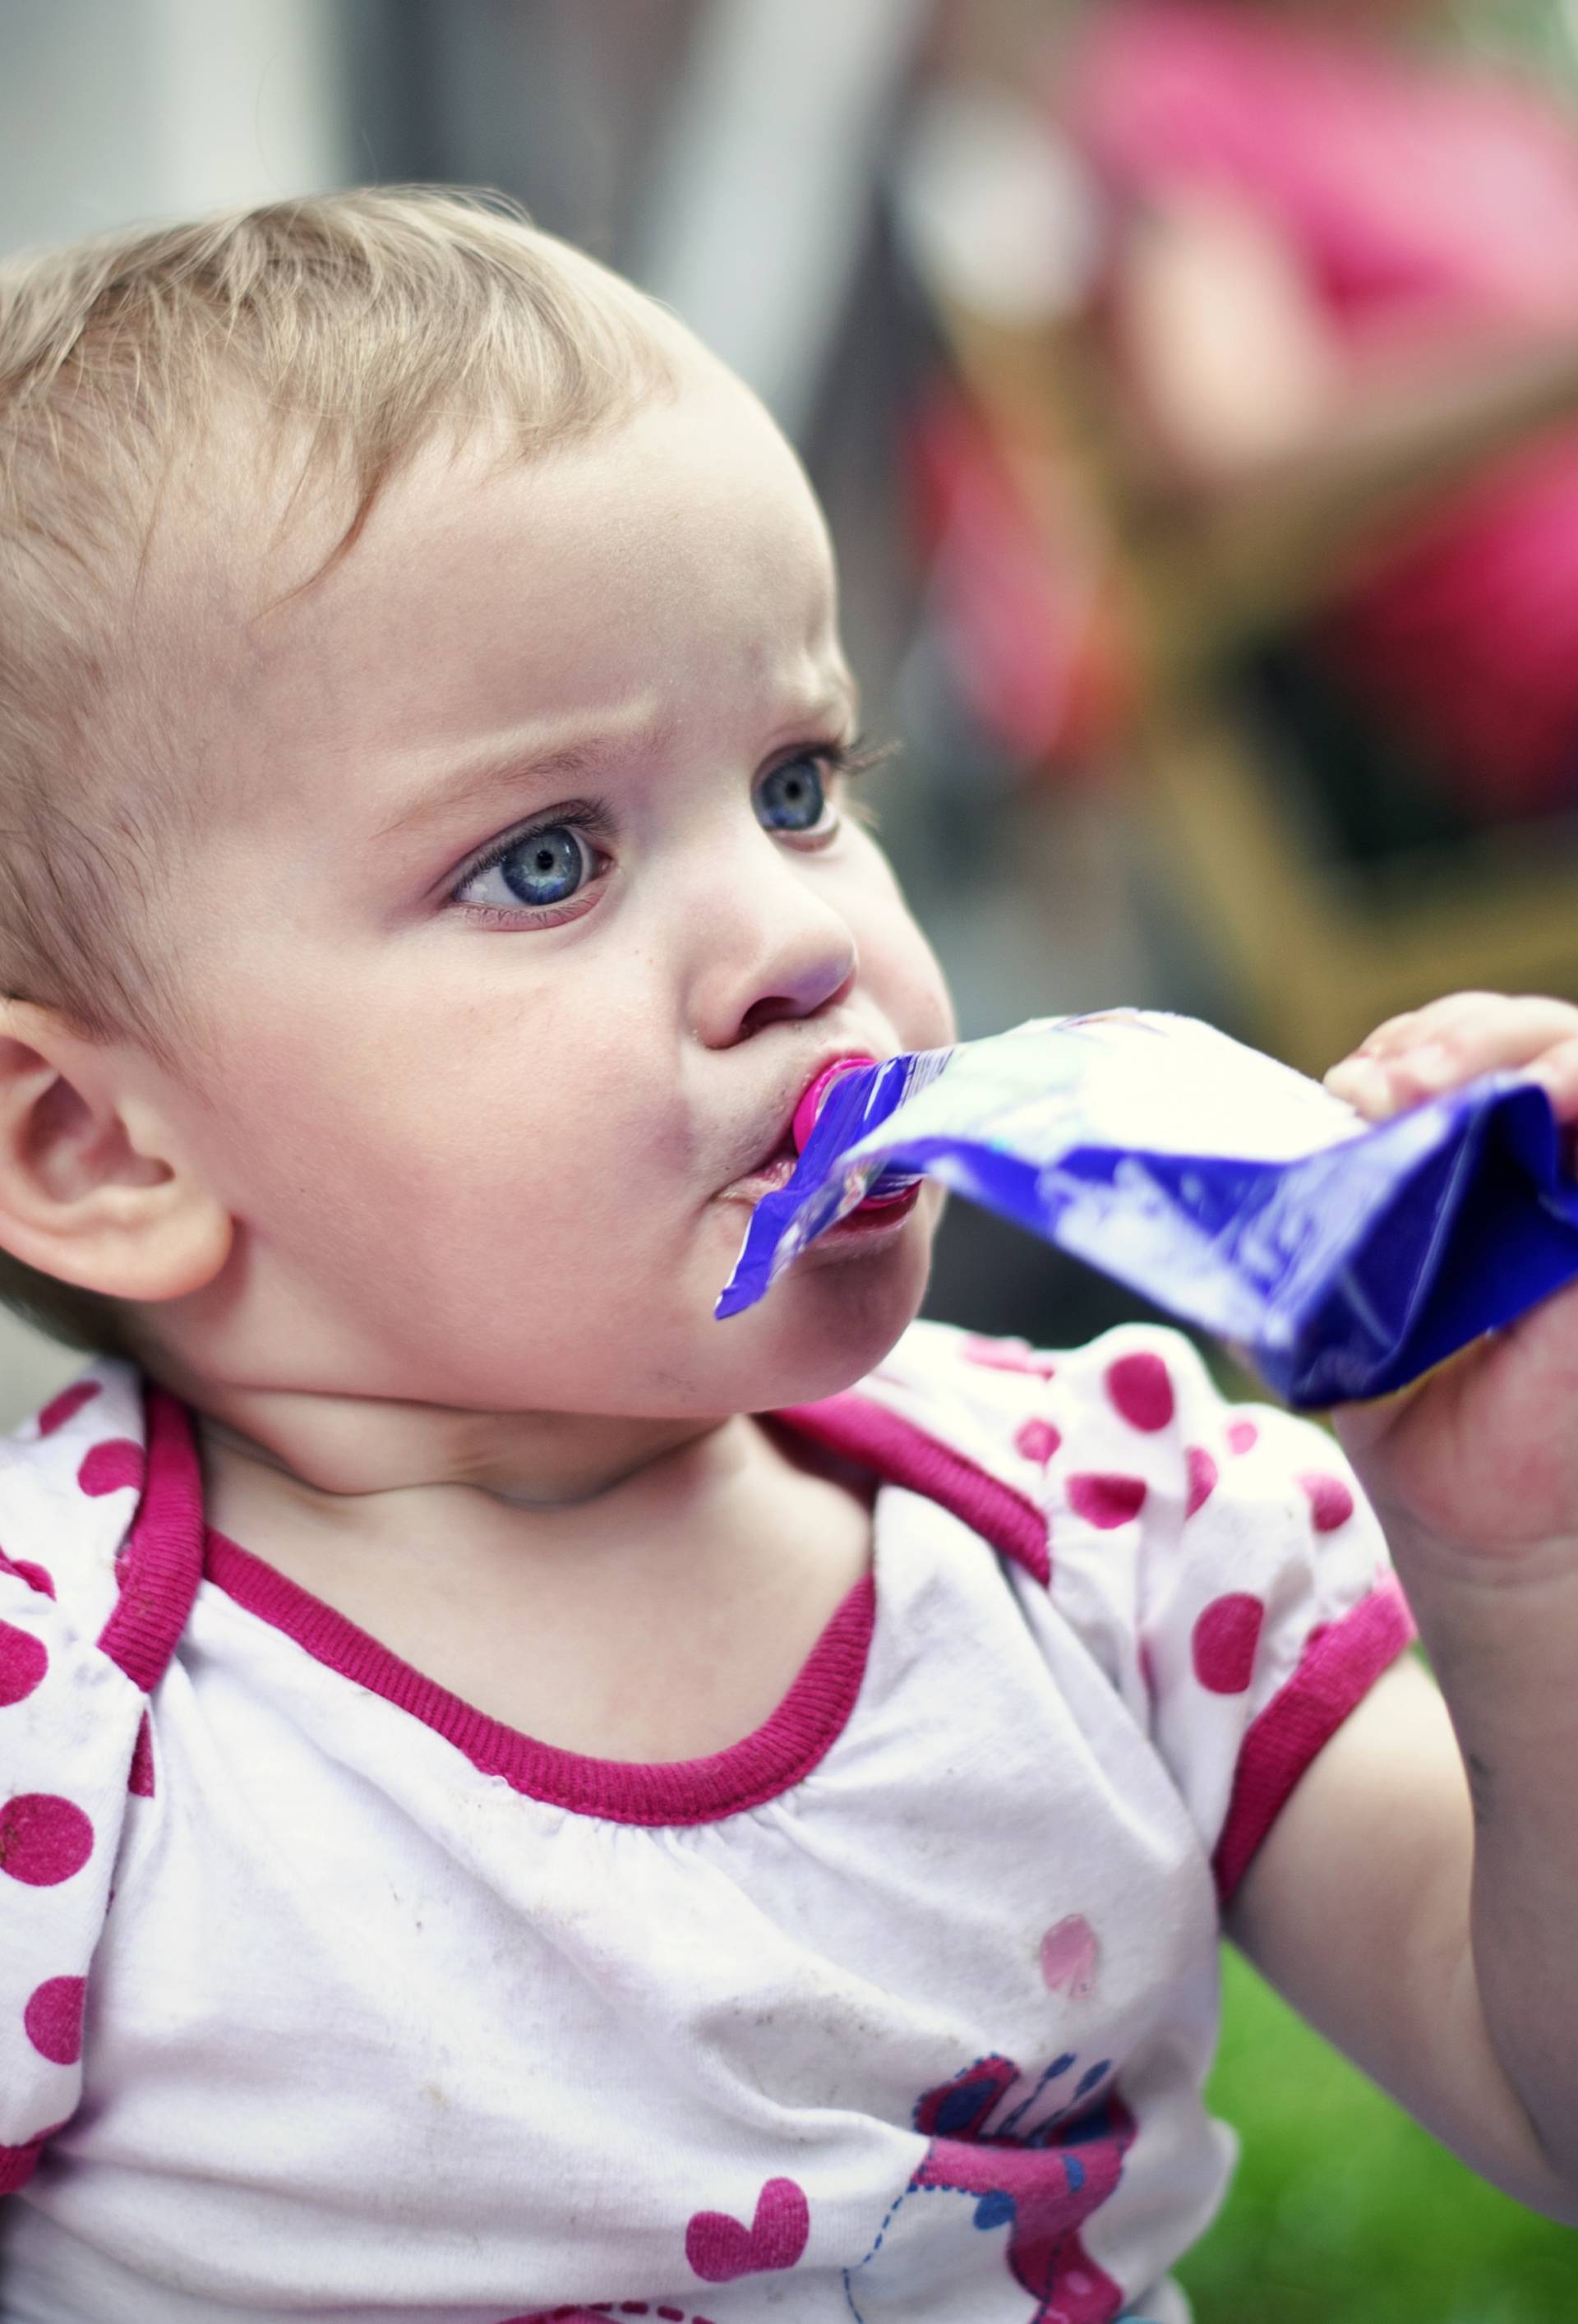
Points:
[(1344, 1257)]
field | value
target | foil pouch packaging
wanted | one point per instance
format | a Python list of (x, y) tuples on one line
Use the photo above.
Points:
[(1343, 1258)]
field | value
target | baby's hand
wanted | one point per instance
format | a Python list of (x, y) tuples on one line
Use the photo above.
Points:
[(1473, 1471), (1482, 1453), (1451, 1041)]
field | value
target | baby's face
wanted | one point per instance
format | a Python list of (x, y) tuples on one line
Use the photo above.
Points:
[(533, 911)]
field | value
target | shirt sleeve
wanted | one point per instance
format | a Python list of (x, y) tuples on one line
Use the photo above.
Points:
[(1223, 1563), (73, 1741)]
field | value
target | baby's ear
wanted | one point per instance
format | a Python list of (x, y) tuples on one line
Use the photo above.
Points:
[(94, 1188)]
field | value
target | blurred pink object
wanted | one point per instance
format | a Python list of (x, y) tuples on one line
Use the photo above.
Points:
[(1032, 634), (1433, 206)]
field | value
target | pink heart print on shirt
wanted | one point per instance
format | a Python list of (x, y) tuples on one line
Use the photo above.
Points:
[(1068, 1958), (719, 2248)]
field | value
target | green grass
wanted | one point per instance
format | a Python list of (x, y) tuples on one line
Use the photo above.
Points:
[(1344, 2211)]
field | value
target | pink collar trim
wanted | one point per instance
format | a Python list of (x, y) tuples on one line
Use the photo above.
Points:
[(169, 1549), (776, 1756)]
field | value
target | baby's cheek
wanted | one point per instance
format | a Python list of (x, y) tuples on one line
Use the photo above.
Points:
[(923, 1013), (898, 971)]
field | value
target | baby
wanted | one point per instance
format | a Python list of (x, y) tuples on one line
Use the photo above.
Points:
[(517, 1799)]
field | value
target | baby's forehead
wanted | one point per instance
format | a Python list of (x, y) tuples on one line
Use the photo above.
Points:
[(701, 476), (268, 519), (688, 517)]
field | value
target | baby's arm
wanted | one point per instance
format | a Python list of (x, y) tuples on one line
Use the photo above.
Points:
[(1357, 1907), (1418, 1897)]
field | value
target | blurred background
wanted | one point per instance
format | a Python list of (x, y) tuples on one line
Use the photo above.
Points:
[(1193, 389)]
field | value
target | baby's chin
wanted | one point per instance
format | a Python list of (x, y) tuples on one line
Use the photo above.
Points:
[(832, 1317)]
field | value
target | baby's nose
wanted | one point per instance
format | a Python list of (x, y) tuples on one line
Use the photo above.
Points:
[(766, 958)]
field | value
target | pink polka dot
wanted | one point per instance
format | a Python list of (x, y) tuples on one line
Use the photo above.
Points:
[(141, 1779), (26, 1571), (66, 1406), (1038, 1440), (1330, 1504), (1242, 1437), (24, 1660), (1142, 1391), (1106, 1502), (52, 2019), (107, 1467), (1201, 1479), (1224, 1642), (1009, 1356), (44, 1839)]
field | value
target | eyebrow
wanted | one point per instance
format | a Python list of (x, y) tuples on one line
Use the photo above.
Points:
[(505, 770)]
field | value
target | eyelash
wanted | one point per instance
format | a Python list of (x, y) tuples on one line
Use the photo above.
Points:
[(845, 763)]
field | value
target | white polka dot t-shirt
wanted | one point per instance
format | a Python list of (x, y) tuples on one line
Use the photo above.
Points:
[(323, 1995)]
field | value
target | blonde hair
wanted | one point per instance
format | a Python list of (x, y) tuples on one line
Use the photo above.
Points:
[(360, 326)]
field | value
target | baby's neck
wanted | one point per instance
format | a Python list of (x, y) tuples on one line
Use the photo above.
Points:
[(364, 1482), (357, 1449)]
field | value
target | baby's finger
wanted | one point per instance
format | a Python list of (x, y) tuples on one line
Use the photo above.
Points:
[(1482, 1033), (1367, 1077), (1449, 1043), (1393, 1034), (1470, 1017)]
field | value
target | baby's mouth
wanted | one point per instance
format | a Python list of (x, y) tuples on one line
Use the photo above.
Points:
[(777, 1168)]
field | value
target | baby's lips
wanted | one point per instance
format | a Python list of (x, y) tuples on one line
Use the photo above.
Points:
[(811, 1102), (813, 1094)]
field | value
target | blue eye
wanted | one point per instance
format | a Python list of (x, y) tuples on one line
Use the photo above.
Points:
[(793, 797), (546, 867)]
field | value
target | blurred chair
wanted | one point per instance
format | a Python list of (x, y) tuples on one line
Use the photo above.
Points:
[(1204, 568)]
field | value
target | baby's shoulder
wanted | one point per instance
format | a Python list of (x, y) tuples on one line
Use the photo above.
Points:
[(1213, 1563), (1131, 1426), (76, 1740), (1007, 1395), (1146, 1380), (71, 1482)]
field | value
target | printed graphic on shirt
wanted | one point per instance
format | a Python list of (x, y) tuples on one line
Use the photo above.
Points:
[(1034, 2182)]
